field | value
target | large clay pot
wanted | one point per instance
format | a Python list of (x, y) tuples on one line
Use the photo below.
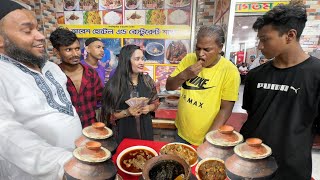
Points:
[(219, 143), (166, 163), (90, 162), (98, 132), (252, 161)]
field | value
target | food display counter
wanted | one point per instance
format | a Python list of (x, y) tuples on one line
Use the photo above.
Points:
[(166, 112), (156, 145)]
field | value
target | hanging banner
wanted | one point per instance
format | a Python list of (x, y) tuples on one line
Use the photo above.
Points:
[(254, 7), (130, 31), (240, 57), (161, 28)]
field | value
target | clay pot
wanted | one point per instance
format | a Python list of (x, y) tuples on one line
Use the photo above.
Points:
[(93, 148), (172, 165), (251, 160), (219, 143), (98, 132), (90, 162)]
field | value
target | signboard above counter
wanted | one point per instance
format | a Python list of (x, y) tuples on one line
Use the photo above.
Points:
[(255, 7), (131, 31)]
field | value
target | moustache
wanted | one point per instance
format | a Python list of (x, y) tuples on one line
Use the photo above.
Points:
[(75, 57)]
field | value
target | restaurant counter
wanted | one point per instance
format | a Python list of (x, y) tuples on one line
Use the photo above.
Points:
[(156, 145)]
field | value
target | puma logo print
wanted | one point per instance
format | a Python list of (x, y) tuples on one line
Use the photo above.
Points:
[(295, 90), (276, 87)]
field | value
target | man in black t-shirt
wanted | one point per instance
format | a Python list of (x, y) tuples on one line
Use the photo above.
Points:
[(282, 96)]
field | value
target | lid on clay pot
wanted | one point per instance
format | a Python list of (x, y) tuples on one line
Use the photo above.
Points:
[(92, 152), (97, 130), (224, 136), (253, 148)]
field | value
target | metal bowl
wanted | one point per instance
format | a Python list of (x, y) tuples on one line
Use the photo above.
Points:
[(155, 49)]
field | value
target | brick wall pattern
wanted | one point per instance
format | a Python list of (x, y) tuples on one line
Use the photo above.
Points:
[(310, 39)]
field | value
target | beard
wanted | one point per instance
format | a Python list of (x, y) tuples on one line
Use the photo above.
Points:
[(22, 55)]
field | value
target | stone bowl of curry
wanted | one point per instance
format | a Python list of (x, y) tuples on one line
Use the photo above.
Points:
[(166, 167)]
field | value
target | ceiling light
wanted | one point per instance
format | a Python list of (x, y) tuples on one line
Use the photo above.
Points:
[(245, 27)]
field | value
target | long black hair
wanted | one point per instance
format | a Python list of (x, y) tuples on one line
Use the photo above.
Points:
[(119, 83)]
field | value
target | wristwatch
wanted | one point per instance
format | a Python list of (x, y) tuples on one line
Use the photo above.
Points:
[(125, 112)]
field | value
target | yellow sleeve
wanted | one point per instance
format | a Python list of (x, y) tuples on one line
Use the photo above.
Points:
[(231, 85), (187, 61)]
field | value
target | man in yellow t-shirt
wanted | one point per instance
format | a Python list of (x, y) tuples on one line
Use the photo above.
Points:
[(209, 87)]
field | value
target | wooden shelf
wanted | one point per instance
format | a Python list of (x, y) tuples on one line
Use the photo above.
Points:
[(163, 124)]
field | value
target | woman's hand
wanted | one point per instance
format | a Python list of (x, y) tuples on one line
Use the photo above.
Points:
[(146, 109), (135, 110)]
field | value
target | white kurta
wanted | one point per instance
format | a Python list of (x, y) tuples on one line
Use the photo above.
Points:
[(38, 124)]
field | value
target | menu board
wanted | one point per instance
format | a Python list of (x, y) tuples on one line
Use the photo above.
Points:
[(162, 28)]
